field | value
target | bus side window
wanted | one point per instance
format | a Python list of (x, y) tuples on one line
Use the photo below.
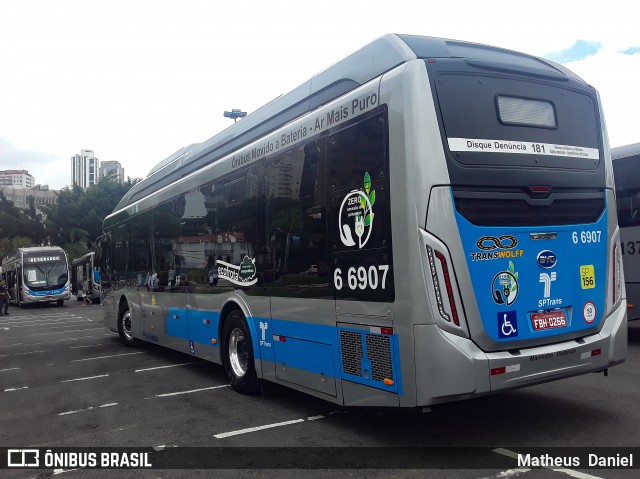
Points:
[(628, 208)]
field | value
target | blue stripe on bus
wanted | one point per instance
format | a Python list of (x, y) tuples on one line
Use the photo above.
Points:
[(200, 326), (203, 327), (46, 293), (308, 347)]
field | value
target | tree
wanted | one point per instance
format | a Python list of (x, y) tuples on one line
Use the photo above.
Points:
[(77, 217), (13, 222), (9, 245), (75, 250)]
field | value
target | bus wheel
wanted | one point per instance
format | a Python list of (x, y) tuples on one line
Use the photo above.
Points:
[(60, 302), (124, 326), (238, 354)]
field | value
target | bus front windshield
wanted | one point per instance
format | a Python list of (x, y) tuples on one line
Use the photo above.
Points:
[(41, 276)]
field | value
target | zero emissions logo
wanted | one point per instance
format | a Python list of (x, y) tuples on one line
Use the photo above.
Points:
[(356, 211)]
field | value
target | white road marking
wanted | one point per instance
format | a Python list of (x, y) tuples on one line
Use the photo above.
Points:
[(69, 331), (8, 369), (77, 338), (62, 471), (88, 409), (16, 389), (189, 392), (266, 426), (258, 428), (103, 357), (163, 367), (88, 346), (569, 472), (40, 321), (508, 474), (84, 379), (62, 340), (27, 353)]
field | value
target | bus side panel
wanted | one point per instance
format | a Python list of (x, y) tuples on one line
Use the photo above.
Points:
[(303, 338), (630, 246)]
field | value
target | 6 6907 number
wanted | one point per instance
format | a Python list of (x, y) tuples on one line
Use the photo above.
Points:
[(373, 277)]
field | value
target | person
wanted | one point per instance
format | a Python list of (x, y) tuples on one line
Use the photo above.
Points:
[(213, 271), (151, 281), (87, 293), (4, 298)]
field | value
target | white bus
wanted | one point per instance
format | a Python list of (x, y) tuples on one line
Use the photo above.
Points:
[(626, 167), (85, 278), (425, 221), (37, 275)]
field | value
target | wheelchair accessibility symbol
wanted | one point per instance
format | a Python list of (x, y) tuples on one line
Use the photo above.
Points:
[(507, 324)]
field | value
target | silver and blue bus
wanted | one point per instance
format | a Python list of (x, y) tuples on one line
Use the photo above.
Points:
[(37, 275), (626, 168), (425, 221), (85, 278)]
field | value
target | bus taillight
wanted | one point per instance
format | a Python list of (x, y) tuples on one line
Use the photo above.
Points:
[(448, 287), (617, 275)]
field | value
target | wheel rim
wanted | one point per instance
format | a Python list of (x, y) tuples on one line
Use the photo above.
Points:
[(238, 356), (126, 325)]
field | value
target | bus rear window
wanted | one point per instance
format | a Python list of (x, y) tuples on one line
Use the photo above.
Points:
[(505, 121), (522, 111)]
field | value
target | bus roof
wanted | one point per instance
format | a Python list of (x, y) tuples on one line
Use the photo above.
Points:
[(625, 151), (83, 259), (371, 61), (31, 250)]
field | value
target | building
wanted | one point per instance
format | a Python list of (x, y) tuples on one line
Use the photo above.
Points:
[(85, 169), (18, 196), (112, 170), (16, 179)]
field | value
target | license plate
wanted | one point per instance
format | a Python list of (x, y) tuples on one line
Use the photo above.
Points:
[(548, 320)]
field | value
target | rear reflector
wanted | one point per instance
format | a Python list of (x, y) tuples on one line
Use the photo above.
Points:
[(377, 330)]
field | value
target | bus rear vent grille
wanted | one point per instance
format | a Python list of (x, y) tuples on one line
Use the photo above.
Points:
[(351, 352), (366, 355), (379, 353), (515, 212)]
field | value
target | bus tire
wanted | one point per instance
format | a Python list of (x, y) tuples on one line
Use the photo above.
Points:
[(125, 328), (237, 352), (60, 302)]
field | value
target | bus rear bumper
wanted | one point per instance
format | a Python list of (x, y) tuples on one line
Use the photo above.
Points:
[(30, 298), (442, 376)]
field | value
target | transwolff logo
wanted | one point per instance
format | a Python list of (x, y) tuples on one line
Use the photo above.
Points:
[(489, 243), (500, 247)]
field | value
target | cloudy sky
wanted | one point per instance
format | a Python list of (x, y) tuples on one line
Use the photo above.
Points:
[(136, 80)]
